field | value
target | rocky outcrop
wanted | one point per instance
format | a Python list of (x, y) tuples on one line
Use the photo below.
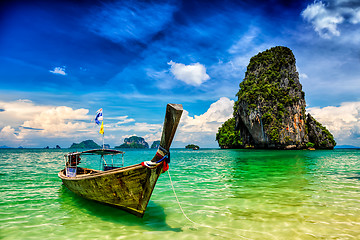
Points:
[(155, 144), (319, 135), (87, 144), (134, 142), (192, 146), (270, 111)]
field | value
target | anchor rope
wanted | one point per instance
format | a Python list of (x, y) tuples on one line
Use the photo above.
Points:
[(201, 225)]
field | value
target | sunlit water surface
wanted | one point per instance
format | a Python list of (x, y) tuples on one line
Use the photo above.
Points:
[(228, 194)]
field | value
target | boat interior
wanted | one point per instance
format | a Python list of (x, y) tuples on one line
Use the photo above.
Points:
[(74, 159)]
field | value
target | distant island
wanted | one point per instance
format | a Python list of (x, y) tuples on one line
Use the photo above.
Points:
[(87, 144), (155, 144), (134, 142), (270, 110), (192, 146), (57, 147)]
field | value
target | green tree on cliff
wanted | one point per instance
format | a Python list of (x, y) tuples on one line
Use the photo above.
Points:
[(227, 136)]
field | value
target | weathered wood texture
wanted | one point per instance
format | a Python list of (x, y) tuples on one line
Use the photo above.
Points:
[(128, 188), (171, 122)]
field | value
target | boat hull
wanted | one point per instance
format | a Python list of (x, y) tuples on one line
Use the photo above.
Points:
[(128, 188)]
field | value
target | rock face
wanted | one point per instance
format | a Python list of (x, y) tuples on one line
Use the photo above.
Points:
[(319, 135), (270, 111), (134, 142)]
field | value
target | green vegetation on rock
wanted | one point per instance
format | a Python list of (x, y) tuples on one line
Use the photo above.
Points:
[(192, 146), (134, 142), (270, 109), (319, 135), (155, 144), (87, 144), (227, 136), (270, 86)]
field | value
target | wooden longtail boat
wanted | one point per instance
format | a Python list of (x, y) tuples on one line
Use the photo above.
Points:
[(128, 188)]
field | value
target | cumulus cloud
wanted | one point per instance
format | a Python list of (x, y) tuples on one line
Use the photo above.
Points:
[(16, 112), (23, 121), (7, 132), (58, 121), (326, 18), (342, 121), (59, 71), (193, 74), (203, 128), (9, 137)]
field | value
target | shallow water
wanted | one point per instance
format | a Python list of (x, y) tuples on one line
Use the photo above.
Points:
[(229, 194)]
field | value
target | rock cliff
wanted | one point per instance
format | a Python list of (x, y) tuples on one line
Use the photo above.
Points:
[(134, 142), (270, 110), (319, 135)]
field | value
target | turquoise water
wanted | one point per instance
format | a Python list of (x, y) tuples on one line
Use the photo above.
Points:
[(229, 194)]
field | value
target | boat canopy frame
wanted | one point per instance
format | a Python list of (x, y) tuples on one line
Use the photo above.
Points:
[(73, 159), (97, 152)]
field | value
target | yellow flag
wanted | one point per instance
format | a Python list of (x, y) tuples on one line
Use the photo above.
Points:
[(102, 128)]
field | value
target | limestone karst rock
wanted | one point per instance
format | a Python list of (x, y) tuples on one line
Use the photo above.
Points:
[(270, 110)]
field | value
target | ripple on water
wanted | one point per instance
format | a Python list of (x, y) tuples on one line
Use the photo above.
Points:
[(232, 194)]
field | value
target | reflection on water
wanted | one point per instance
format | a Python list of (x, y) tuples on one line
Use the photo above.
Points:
[(231, 194)]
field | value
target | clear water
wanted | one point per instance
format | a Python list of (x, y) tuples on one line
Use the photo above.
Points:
[(229, 194)]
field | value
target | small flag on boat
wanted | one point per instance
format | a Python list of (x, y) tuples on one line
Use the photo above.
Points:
[(102, 128), (99, 116)]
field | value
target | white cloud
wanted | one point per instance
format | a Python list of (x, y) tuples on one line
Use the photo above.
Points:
[(343, 121), (326, 18), (10, 137), (140, 127), (58, 121), (301, 74), (24, 122), (203, 128), (7, 133), (16, 112), (58, 70), (123, 120), (150, 138), (194, 74)]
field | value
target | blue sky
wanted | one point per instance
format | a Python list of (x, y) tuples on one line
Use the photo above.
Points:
[(63, 60)]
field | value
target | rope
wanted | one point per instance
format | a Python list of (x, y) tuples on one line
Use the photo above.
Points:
[(172, 185), (201, 225)]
